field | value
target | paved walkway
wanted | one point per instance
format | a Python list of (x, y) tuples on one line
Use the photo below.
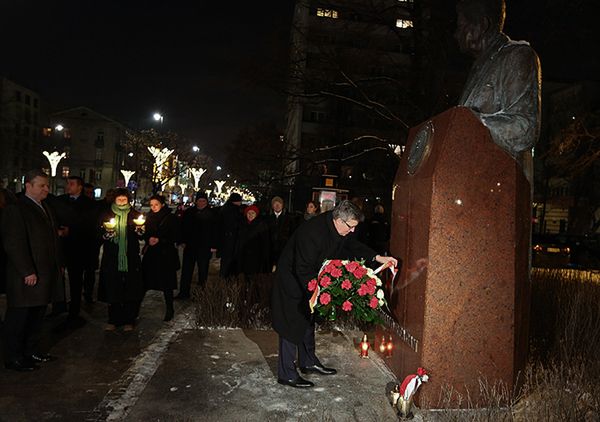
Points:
[(177, 372)]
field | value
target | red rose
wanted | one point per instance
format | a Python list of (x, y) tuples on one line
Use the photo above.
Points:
[(312, 285), (325, 298), (336, 272), (346, 284), (352, 265), (347, 306), (372, 282), (336, 262), (370, 289), (325, 281), (359, 272), (374, 303), (362, 290)]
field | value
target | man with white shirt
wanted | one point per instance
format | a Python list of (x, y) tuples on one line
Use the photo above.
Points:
[(29, 234), (280, 228)]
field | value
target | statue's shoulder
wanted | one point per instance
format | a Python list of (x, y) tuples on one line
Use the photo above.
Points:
[(515, 52)]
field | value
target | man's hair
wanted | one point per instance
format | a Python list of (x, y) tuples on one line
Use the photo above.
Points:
[(88, 186), (32, 174), (78, 179), (346, 210), (473, 10)]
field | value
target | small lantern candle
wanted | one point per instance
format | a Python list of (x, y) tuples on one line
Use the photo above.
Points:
[(389, 348), (110, 224), (364, 347), (382, 345), (140, 220)]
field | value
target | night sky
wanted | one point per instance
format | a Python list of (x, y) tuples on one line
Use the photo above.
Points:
[(204, 64)]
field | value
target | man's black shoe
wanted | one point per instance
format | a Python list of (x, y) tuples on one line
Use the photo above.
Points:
[(21, 366), (297, 383), (41, 357), (318, 369)]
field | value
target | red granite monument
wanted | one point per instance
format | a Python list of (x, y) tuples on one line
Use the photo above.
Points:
[(460, 224)]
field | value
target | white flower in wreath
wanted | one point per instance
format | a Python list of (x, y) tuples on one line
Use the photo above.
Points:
[(380, 294)]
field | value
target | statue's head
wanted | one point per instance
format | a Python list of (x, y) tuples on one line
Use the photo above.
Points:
[(476, 21)]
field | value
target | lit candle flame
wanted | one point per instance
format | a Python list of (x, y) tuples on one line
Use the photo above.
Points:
[(140, 220)]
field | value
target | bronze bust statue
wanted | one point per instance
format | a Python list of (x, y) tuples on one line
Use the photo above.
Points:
[(504, 86)]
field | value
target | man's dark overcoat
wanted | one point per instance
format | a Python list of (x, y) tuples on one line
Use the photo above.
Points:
[(30, 239), (111, 289), (314, 242)]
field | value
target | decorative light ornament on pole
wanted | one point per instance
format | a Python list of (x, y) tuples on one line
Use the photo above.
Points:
[(158, 117), (219, 188), (54, 158), (160, 157), (127, 175), (197, 173)]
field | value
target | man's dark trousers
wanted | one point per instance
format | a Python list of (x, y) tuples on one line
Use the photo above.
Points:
[(191, 257), (286, 370), (22, 330)]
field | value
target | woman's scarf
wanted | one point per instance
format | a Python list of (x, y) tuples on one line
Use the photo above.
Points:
[(121, 212)]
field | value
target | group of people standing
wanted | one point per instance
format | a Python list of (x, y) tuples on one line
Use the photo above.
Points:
[(45, 236)]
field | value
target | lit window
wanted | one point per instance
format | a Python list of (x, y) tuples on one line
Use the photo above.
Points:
[(98, 153), (327, 13), (66, 134), (47, 131), (65, 171), (404, 23)]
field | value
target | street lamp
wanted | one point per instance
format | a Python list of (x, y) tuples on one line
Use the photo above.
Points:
[(195, 148), (158, 117), (59, 127)]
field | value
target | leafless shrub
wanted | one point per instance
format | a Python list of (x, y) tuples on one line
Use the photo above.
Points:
[(240, 302)]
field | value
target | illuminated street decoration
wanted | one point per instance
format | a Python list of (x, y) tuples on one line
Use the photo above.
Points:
[(160, 157), (54, 158), (197, 173), (219, 188), (127, 175)]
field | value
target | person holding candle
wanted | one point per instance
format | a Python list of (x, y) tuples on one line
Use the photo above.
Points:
[(121, 283), (329, 235), (161, 258)]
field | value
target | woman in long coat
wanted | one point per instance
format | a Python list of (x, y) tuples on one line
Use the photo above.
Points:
[(161, 259), (253, 244), (120, 270)]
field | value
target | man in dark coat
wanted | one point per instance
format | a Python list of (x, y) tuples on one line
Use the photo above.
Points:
[(231, 221), (80, 241), (30, 238), (198, 238), (281, 226), (323, 237)]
